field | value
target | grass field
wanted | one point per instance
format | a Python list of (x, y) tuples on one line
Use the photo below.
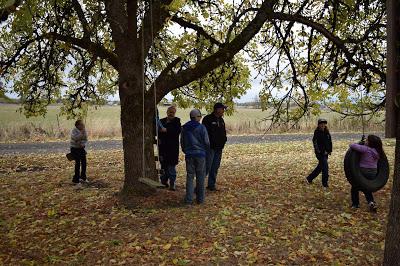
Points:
[(104, 123), (265, 214)]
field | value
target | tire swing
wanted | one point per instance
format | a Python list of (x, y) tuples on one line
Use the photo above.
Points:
[(357, 179), (353, 172)]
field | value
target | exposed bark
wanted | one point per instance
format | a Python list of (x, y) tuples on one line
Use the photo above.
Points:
[(393, 54), (133, 132), (392, 240), (154, 21)]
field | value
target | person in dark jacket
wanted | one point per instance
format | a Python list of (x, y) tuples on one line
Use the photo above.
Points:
[(322, 142), (195, 143), (169, 147), (217, 134)]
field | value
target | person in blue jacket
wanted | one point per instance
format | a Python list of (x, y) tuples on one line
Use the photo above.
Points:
[(195, 144)]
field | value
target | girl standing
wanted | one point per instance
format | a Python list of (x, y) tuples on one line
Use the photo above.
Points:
[(322, 143), (78, 143), (369, 156)]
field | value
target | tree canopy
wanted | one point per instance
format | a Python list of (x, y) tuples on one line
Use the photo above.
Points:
[(306, 52)]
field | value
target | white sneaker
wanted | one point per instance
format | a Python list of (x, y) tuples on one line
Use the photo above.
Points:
[(372, 206)]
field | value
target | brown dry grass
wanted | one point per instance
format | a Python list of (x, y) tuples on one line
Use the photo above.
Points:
[(104, 123), (265, 214)]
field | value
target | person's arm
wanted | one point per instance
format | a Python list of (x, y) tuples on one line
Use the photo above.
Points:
[(206, 139), (315, 143), (330, 144), (76, 135), (179, 126), (226, 139), (359, 148), (206, 123), (84, 138), (160, 126), (183, 141)]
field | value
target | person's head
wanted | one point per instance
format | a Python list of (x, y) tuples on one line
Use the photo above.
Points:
[(376, 143), (219, 109), (322, 124), (171, 111), (79, 124), (195, 115)]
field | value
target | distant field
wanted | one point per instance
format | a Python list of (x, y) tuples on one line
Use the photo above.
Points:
[(104, 122)]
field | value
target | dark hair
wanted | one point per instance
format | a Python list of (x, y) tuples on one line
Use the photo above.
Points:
[(325, 130), (376, 143), (77, 122)]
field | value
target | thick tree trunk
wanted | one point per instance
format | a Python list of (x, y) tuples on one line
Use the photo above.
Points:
[(136, 134), (393, 64), (150, 127), (392, 241)]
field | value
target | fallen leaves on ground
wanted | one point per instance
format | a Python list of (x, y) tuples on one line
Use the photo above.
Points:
[(265, 213)]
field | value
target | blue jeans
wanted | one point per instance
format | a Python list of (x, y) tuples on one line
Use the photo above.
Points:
[(169, 174), (321, 167), (195, 167), (213, 162)]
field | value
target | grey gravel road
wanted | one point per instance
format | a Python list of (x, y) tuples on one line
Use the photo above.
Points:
[(61, 147)]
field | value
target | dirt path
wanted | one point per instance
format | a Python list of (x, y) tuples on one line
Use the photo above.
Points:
[(60, 147)]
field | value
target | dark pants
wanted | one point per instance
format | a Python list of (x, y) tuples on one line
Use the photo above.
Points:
[(213, 161), (355, 197), (321, 167), (169, 174), (80, 159), (368, 173)]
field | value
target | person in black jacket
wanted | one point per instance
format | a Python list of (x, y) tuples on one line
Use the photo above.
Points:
[(169, 147), (322, 142), (215, 126)]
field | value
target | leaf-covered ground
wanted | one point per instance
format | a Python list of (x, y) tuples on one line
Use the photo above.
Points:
[(264, 214)]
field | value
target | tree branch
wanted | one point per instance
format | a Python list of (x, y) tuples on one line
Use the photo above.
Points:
[(81, 15), (93, 48), (198, 29), (6, 11), (226, 53), (154, 20), (339, 43)]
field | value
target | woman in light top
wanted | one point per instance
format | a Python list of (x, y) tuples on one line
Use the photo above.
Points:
[(370, 153)]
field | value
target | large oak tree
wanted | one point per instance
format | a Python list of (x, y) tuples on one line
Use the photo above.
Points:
[(306, 51)]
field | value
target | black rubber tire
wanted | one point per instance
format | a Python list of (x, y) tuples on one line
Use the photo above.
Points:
[(358, 180)]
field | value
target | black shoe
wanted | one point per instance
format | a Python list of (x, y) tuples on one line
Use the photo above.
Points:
[(172, 188), (211, 188), (308, 180), (355, 206)]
